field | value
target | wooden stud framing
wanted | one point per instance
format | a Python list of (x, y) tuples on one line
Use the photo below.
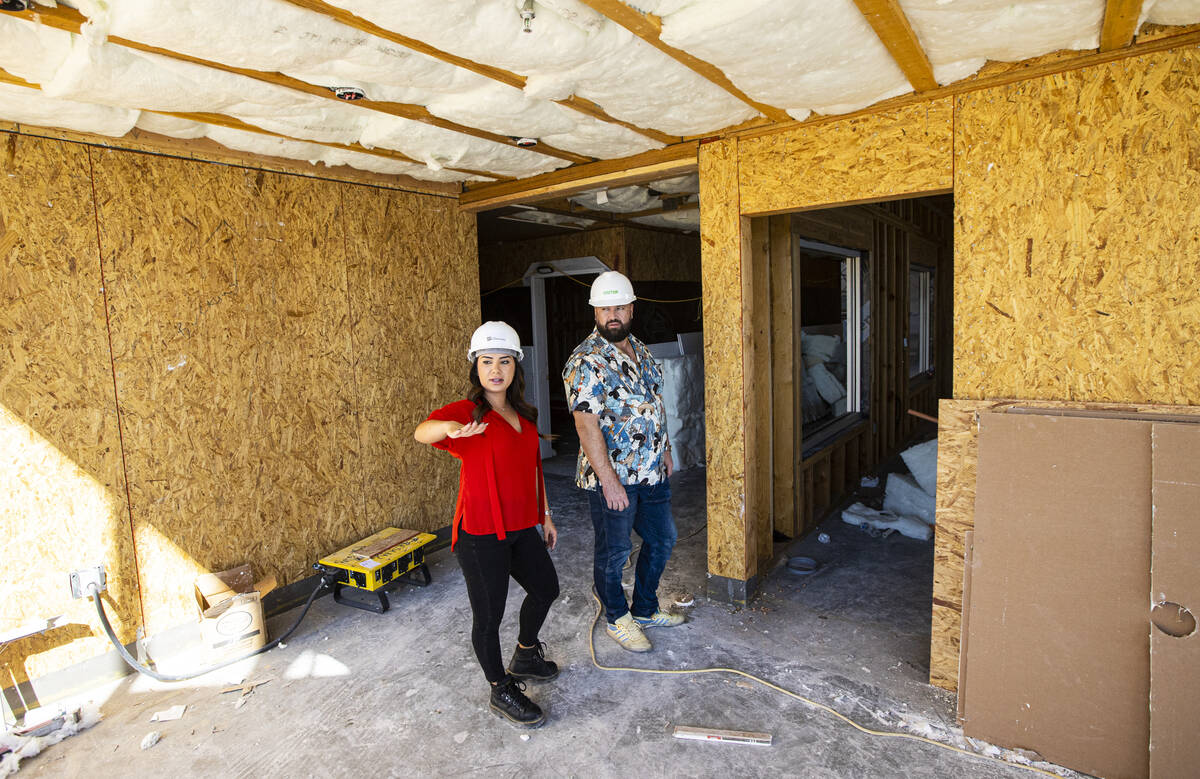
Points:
[(785, 379), (887, 18), (1120, 23), (648, 27), (671, 161), (756, 350)]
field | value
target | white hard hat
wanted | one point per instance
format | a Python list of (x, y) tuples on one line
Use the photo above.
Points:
[(611, 289), (495, 338)]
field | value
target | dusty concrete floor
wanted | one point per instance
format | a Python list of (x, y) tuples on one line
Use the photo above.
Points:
[(401, 694)]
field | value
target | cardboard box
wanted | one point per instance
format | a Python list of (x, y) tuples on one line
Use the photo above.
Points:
[(231, 615), (1081, 523)]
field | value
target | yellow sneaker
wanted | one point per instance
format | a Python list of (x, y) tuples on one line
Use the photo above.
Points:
[(628, 634), (660, 619)]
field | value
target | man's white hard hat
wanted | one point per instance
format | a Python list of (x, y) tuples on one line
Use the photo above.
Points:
[(611, 289), (495, 338)]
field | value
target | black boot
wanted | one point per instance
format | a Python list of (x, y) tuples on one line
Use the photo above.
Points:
[(509, 701), (531, 664)]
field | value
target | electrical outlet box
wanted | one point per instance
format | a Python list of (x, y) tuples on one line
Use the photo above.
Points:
[(82, 579)]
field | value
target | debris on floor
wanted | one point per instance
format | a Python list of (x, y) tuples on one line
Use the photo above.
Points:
[(863, 516), (23, 742), (151, 739), (167, 715)]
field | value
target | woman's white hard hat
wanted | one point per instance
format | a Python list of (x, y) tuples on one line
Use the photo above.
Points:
[(611, 289), (495, 338)]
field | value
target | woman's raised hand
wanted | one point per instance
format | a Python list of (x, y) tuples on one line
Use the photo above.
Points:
[(468, 430)]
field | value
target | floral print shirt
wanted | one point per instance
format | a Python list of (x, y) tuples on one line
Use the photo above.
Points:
[(626, 395)]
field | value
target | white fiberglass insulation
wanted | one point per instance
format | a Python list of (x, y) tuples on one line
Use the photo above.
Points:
[(683, 397), (318, 50), (30, 106), (1172, 11), (571, 50), (687, 219), (620, 200)]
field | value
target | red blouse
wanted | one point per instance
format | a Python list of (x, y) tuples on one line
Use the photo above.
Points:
[(500, 488)]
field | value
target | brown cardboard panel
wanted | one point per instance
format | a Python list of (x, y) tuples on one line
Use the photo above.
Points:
[(1175, 579), (1057, 657), (968, 543)]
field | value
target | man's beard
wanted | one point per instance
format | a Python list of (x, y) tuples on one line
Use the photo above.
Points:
[(614, 336)]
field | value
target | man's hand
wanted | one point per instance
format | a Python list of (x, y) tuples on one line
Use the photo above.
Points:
[(615, 495), (670, 463)]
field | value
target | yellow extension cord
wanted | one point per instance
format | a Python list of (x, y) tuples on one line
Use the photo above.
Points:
[(777, 688)]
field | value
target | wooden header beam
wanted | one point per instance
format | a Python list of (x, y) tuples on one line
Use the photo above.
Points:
[(891, 25), (70, 20), (1120, 23), (487, 71), (649, 27), (671, 161)]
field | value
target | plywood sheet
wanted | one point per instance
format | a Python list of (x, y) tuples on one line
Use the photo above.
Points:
[(1077, 206), (655, 255), (60, 458), (1175, 584), (500, 263), (412, 280), (898, 153), (1057, 659), (229, 310), (724, 235)]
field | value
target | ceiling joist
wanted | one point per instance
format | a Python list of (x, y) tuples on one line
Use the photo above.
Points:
[(1120, 23), (70, 20), (891, 25), (515, 80), (661, 163), (648, 27)]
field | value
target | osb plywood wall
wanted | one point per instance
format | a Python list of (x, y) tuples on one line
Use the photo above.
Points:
[(500, 263), (725, 236), (275, 339), (63, 489), (645, 255), (873, 157), (1078, 227), (657, 255)]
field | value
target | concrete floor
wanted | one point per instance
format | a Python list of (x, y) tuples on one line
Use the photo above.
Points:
[(355, 693)]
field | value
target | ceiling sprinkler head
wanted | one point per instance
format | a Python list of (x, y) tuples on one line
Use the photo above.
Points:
[(21, 5), (527, 16), (348, 93), (525, 143)]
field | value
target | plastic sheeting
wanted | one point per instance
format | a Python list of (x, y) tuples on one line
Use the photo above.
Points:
[(683, 397)]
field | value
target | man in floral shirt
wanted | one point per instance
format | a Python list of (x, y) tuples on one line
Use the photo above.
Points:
[(614, 391)]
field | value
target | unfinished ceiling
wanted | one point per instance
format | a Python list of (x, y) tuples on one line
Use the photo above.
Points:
[(490, 90)]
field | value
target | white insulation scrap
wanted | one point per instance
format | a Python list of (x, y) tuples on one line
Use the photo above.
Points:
[(23, 747), (904, 497), (30, 51), (922, 463), (861, 515), (570, 50), (621, 200), (686, 218)]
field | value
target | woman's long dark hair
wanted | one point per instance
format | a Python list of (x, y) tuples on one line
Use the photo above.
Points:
[(515, 394)]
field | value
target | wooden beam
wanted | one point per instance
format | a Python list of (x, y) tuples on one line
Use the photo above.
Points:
[(1120, 23), (648, 27), (891, 25), (1020, 72), (515, 80), (70, 20), (671, 161)]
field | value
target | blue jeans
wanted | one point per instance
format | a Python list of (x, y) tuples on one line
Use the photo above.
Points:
[(649, 515)]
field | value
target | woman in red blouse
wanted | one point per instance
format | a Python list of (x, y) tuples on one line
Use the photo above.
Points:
[(501, 502)]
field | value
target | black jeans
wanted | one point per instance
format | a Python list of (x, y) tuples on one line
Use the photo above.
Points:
[(486, 563)]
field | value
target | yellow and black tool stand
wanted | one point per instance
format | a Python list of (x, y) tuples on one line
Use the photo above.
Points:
[(386, 558)]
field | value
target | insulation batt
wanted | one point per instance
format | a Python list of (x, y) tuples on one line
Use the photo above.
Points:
[(860, 514), (24, 747), (904, 497), (1173, 12), (30, 106), (570, 51), (922, 463), (313, 48), (689, 219)]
